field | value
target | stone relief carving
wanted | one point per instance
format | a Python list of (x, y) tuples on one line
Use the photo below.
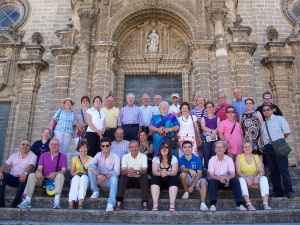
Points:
[(152, 3), (177, 44), (153, 41), (186, 4), (37, 38), (272, 33), (129, 46)]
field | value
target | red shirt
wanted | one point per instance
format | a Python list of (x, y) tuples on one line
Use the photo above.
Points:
[(221, 111)]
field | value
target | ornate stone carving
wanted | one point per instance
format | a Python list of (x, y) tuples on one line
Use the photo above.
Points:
[(130, 45), (272, 33), (177, 44), (3, 75), (15, 34), (153, 41), (238, 21), (37, 38), (87, 17), (152, 3)]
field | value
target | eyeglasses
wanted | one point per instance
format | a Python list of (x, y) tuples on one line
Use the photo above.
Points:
[(267, 97), (25, 145), (165, 147), (104, 146), (265, 110), (230, 111)]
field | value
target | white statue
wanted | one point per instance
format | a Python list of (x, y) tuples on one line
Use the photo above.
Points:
[(153, 41)]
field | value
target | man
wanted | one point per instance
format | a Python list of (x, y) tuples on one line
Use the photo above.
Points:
[(267, 99), (130, 119), (104, 170), (111, 117), (146, 112), (21, 163), (220, 110), (47, 169), (191, 168), (278, 166), (133, 175), (222, 176), (120, 146), (175, 107), (239, 102), (157, 101)]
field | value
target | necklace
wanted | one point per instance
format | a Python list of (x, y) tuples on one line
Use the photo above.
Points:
[(183, 118)]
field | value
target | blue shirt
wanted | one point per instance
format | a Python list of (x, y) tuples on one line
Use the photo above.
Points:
[(194, 163), (240, 106), (65, 121)]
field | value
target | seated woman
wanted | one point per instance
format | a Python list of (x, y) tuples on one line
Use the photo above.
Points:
[(146, 148), (250, 169), (80, 180), (164, 170)]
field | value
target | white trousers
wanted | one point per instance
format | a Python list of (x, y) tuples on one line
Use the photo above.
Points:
[(78, 187), (64, 140), (263, 185)]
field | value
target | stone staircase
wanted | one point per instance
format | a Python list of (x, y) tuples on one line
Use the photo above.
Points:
[(283, 209)]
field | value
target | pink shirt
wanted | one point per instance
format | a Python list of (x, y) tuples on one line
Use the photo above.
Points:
[(221, 167), (19, 164), (235, 139), (108, 165)]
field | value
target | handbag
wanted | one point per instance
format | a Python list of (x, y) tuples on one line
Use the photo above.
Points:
[(81, 134), (198, 138), (56, 120), (50, 184), (281, 148), (172, 140)]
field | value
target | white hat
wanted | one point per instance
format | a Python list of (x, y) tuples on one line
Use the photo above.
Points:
[(65, 99), (175, 95)]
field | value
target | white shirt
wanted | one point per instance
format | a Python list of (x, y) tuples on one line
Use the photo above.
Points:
[(174, 109), (98, 118), (146, 114), (136, 163), (155, 110)]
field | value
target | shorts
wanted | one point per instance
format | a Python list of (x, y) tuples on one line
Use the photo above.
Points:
[(197, 185), (165, 182)]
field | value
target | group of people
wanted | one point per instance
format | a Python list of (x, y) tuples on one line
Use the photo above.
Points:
[(217, 148)]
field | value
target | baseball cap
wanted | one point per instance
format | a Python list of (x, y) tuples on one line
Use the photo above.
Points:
[(175, 95)]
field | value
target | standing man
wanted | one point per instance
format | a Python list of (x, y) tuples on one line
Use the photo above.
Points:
[(222, 176), (191, 168), (47, 169), (146, 111), (21, 163), (111, 117), (175, 107), (130, 119), (104, 170), (267, 99), (278, 166), (239, 102), (157, 101), (120, 146), (220, 110), (133, 175)]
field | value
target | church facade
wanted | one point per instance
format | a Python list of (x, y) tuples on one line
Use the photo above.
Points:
[(52, 49)]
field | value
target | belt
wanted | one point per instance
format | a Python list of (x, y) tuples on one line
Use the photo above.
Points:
[(108, 128), (131, 125)]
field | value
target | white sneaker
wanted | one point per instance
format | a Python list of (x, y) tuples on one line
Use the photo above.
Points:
[(185, 195), (241, 208), (109, 207), (95, 194), (203, 207), (213, 208)]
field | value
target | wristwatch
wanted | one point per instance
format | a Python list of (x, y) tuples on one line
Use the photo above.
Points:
[(137, 172), (25, 173)]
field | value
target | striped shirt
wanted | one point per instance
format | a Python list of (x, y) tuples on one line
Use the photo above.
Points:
[(121, 148), (65, 121), (198, 113), (221, 167), (277, 125), (108, 165), (130, 115)]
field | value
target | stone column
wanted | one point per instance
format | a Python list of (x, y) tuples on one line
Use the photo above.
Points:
[(87, 15), (218, 12), (31, 67), (120, 87), (62, 68)]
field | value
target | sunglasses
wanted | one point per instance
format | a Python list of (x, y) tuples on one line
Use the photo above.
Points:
[(267, 98), (249, 103), (105, 146), (265, 110), (165, 147), (25, 145), (230, 111)]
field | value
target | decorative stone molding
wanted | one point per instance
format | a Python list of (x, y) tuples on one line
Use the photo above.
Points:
[(275, 48), (240, 33), (249, 47), (153, 59)]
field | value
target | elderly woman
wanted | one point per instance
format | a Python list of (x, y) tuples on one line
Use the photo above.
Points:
[(79, 171), (231, 132), (251, 122), (189, 130), (250, 169), (164, 170), (96, 126), (80, 119), (63, 130), (146, 148), (42, 145), (162, 124)]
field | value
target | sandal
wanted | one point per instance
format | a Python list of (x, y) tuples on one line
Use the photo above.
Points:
[(71, 205), (80, 204), (250, 207), (266, 206)]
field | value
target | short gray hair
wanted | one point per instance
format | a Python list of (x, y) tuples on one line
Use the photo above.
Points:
[(133, 141), (130, 94), (164, 103), (220, 142)]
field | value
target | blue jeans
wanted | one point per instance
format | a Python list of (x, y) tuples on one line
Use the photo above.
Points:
[(278, 168), (111, 183), (208, 150), (12, 181)]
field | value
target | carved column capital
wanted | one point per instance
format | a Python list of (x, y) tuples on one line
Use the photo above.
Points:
[(198, 48), (63, 50), (218, 14), (278, 61), (240, 33), (87, 16)]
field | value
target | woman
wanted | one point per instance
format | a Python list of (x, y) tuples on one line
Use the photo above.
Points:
[(42, 145), (146, 148), (251, 122), (209, 125), (63, 130), (189, 130), (250, 169), (96, 126), (79, 171), (231, 132), (162, 124), (164, 170), (80, 119)]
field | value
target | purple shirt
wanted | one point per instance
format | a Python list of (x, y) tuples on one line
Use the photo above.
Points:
[(49, 164), (130, 115), (108, 165)]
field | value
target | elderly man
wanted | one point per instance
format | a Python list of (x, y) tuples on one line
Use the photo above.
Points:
[(220, 110), (21, 164), (239, 102), (267, 99), (278, 166), (191, 168), (130, 119), (133, 175), (104, 170), (146, 111), (111, 117), (51, 165), (175, 107), (120, 146), (157, 101), (222, 176)]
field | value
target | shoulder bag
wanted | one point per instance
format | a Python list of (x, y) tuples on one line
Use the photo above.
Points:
[(55, 121), (79, 133), (50, 184), (172, 140)]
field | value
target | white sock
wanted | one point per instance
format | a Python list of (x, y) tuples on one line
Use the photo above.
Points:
[(28, 198), (57, 196)]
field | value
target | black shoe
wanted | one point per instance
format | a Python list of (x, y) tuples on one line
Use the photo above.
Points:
[(290, 195), (14, 203), (2, 202), (276, 194)]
